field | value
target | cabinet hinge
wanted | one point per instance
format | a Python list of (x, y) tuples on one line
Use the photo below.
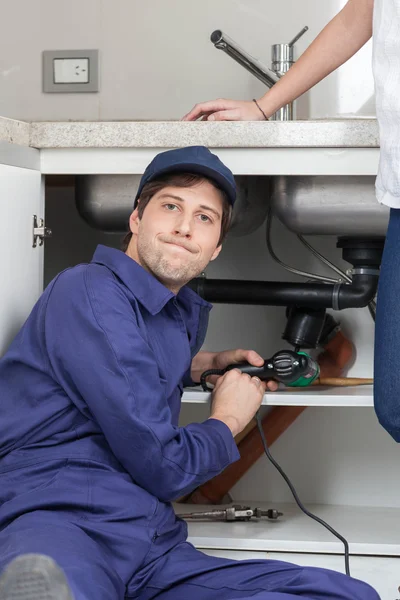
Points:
[(40, 232)]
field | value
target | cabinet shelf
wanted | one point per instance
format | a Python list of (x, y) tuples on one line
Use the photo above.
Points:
[(369, 530), (315, 396)]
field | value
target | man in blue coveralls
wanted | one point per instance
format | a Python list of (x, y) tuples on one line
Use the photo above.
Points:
[(91, 454)]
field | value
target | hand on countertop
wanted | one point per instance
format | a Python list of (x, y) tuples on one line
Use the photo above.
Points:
[(225, 110)]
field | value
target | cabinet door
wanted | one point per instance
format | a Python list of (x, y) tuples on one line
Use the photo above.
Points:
[(21, 265), (381, 572)]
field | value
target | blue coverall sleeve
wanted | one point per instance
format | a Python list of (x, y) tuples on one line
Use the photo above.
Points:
[(100, 358)]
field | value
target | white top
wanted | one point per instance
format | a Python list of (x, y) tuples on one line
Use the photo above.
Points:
[(313, 396), (386, 67)]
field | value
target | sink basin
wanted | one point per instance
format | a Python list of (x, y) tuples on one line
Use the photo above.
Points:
[(329, 205), (105, 202), (319, 205)]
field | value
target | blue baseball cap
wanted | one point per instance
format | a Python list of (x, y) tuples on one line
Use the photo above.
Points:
[(192, 159)]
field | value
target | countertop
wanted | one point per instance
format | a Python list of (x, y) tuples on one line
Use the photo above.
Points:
[(14, 132), (335, 133)]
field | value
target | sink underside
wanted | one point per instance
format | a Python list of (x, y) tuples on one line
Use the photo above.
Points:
[(329, 205), (313, 205)]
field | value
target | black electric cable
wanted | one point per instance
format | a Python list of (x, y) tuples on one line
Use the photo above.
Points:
[(208, 373), (297, 499), (268, 454)]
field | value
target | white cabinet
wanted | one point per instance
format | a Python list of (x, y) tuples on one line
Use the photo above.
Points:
[(360, 451), (21, 265)]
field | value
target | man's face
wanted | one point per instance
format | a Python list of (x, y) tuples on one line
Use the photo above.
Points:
[(178, 234)]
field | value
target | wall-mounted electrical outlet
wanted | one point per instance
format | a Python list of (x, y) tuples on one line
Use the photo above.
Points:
[(70, 71)]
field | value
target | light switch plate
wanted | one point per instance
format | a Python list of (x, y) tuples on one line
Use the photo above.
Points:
[(70, 71)]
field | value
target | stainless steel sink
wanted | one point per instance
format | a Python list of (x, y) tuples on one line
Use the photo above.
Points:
[(332, 205), (106, 201), (320, 205)]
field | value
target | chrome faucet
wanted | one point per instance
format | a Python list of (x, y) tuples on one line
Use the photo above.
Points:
[(282, 60)]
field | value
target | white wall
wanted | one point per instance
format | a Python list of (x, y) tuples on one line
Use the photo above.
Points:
[(156, 57)]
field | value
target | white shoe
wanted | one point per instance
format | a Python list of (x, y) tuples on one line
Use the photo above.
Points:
[(34, 577)]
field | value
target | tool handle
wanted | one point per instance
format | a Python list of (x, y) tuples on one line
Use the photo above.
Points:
[(263, 372), (343, 381)]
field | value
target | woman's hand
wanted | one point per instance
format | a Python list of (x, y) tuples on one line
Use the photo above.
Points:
[(225, 110)]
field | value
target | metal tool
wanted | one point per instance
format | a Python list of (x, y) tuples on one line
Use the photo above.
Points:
[(233, 513), (295, 369)]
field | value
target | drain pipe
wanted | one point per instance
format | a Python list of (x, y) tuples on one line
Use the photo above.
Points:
[(311, 295), (365, 255)]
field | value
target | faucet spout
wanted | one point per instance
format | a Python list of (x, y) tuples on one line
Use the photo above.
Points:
[(255, 67)]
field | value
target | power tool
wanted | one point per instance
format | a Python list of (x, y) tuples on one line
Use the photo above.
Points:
[(294, 369)]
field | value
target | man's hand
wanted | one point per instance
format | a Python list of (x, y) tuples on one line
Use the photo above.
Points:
[(204, 361), (236, 399), (225, 110), (225, 358), (230, 357)]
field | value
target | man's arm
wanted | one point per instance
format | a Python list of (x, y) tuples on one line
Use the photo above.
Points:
[(344, 35), (99, 357)]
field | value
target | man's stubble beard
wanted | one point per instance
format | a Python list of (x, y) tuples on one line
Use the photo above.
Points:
[(154, 261)]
